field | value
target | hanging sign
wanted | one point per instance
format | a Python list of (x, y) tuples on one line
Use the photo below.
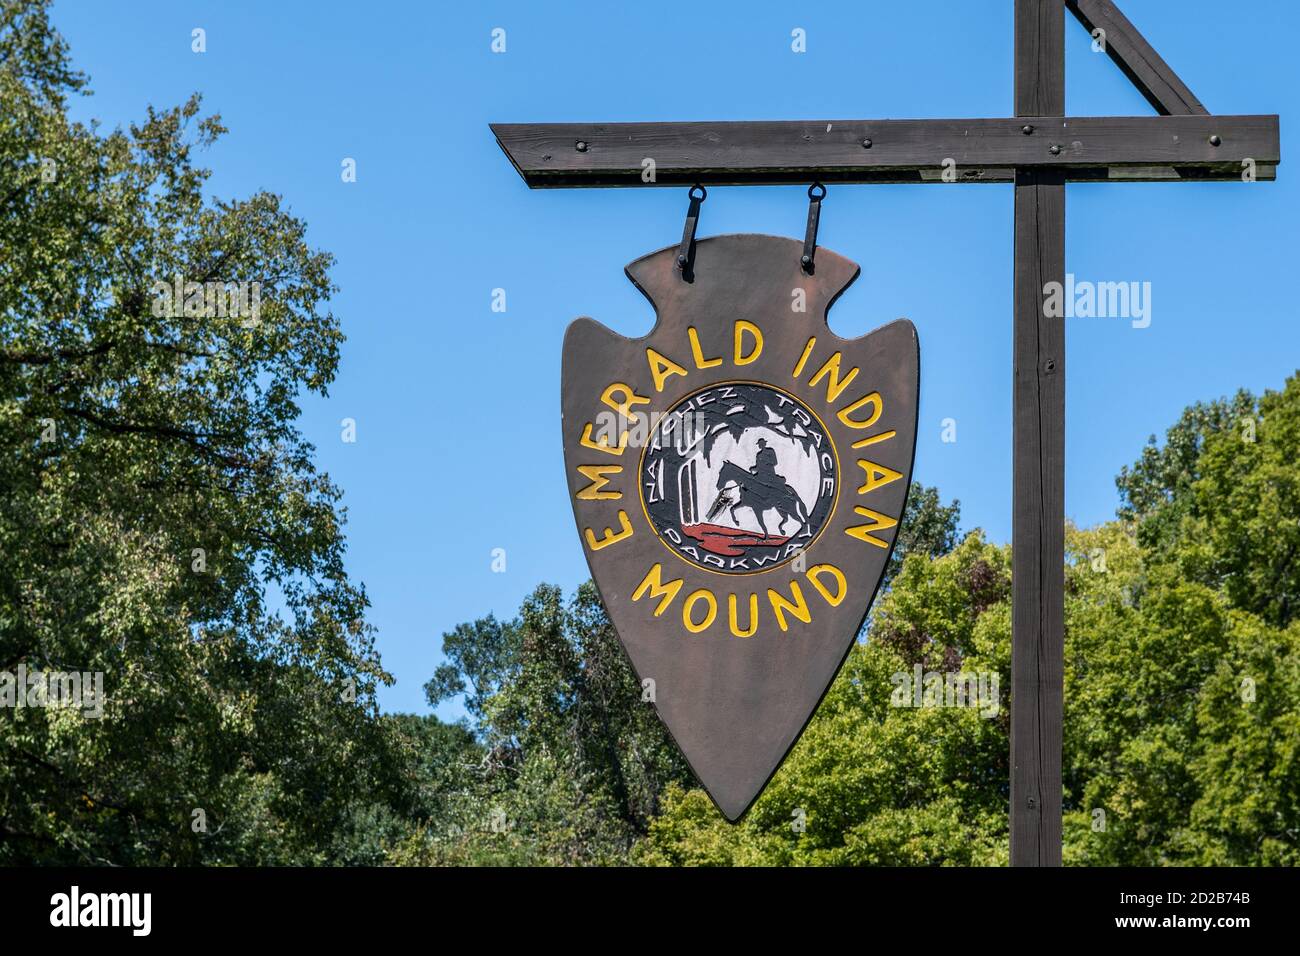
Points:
[(738, 476)]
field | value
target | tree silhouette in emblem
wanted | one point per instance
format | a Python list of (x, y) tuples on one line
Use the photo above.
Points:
[(740, 418)]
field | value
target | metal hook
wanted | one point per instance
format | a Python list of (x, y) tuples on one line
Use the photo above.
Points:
[(686, 251), (810, 236)]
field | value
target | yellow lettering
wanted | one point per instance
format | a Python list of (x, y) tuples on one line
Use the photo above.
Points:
[(841, 585), (863, 532), (688, 617), (847, 411), (864, 442), (698, 353), (780, 605), (877, 475), (741, 328), (610, 536), (596, 475), (807, 351), (603, 444), (753, 616), (661, 368), (834, 386), (624, 407), (653, 583)]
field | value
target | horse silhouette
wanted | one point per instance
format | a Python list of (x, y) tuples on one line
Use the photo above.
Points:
[(758, 493)]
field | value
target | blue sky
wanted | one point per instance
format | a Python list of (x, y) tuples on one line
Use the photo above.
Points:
[(446, 393)]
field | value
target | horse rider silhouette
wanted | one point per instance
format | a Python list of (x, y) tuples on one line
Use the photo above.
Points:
[(765, 465), (758, 489)]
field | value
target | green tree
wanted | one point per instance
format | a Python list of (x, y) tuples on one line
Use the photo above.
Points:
[(870, 782), (1186, 721), (1154, 490), (574, 763), (929, 527), (161, 521), (1182, 703), (577, 764)]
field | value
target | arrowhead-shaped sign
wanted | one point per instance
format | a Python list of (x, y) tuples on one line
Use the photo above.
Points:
[(738, 476)]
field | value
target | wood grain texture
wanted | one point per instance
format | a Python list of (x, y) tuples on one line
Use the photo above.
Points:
[(1038, 460), (902, 151), (1039, 58), (1137, 58)]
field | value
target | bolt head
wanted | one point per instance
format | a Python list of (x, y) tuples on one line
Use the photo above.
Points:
[(1055, 151), (1215, 140), (1026, 129), (580, 146), (866, 144)]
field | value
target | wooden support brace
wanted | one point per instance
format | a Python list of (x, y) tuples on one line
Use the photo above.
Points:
[(1144, 67)]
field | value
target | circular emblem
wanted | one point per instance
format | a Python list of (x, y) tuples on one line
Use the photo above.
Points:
[(738, 477)]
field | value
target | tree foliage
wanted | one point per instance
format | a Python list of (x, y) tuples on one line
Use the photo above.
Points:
[(162, 522), (1182, 703), (576, 765)]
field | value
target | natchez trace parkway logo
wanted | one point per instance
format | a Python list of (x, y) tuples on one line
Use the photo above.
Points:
[(739, 477)]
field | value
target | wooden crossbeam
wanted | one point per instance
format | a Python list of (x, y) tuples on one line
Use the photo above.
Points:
[(1144, 67), (1081, 149)]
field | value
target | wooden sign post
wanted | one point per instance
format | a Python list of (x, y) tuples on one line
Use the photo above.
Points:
[(1039, 150)]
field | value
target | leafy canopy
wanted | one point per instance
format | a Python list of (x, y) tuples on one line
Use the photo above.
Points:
[(162, 521)]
